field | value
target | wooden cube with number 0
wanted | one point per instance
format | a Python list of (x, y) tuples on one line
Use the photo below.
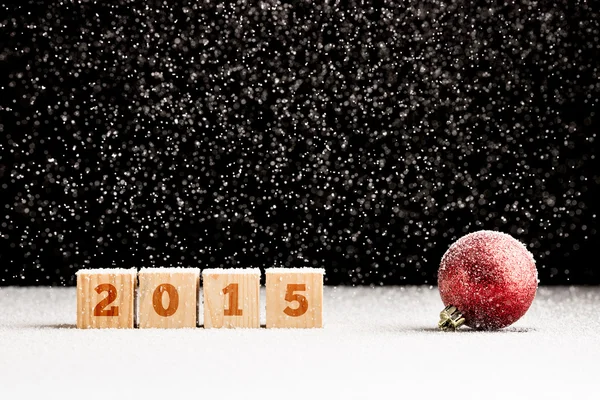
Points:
[(294, 297), (106, 298), (168, 297), (231, 298)]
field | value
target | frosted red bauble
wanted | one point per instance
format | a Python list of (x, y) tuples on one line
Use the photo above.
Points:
[(490, 277)]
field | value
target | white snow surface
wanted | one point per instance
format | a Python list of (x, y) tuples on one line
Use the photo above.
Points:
[(376, 343)]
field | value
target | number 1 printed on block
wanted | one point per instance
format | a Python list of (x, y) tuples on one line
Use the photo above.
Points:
[(233, 291), (231, 298)]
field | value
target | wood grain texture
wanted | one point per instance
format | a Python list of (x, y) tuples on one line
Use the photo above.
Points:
[(168, 299), (294, 298), (220, 289), (95, 292)]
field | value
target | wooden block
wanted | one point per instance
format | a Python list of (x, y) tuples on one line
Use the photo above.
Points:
[(105, 298), (231, 298), (294, 297), (168, 297)]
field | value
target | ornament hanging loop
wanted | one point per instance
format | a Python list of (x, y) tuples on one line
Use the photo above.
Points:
[(450, 319)]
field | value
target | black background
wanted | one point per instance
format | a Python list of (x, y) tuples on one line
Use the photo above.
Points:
[(360, 138)]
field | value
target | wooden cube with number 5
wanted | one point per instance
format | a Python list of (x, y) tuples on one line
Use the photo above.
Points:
[(169, 297), (231, 297), (105, 298), (294, 297)]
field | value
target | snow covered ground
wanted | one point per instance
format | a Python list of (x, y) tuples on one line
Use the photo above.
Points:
[(377, 342)]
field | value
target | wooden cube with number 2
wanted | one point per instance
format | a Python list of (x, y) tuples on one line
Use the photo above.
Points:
[(105, 298), (168, 297), (294, 297), (231, 298)]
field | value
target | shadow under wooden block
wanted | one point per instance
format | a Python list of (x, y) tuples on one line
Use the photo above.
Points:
[(294, 297), (105, 298), (231, 298), (168, 297)]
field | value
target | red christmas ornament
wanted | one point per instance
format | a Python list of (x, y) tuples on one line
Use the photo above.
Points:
[(487, 280)]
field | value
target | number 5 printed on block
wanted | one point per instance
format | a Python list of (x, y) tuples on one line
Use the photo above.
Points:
[(291, 296), (294, 297)]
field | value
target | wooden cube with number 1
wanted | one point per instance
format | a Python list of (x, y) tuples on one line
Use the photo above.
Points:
[(294, 297), (231, 298), (168, 297), (106, 298)]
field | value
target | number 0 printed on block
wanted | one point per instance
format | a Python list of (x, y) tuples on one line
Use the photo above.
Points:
[(105, 298), (294, 297), (168, 297), (231, 298)]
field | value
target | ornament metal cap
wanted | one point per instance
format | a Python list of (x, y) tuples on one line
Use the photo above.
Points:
[(450, 319)]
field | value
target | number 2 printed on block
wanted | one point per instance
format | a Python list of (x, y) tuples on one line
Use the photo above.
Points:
[(100, 309), (105, 298)]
